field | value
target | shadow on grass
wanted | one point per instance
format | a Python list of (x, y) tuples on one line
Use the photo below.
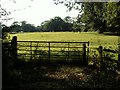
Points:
[(36, 76)]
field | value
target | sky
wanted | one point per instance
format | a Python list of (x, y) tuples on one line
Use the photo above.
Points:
[(35, 11)]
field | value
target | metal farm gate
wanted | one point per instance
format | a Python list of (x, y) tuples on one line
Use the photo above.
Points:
[(52, 51)]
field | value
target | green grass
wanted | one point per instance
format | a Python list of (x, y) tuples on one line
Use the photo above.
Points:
[(95, 39)]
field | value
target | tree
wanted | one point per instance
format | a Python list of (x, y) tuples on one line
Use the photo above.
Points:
[(55, 24), (112, 16), (68, 23), (93, 16), (21, 26), (15, 27), (27, 27), (96, 16), (44, 26), (68, 19), (5, 30)]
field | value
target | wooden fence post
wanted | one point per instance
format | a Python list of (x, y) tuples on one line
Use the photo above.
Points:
[(84, 54), (14, 47), (100, 52), (88, 51)]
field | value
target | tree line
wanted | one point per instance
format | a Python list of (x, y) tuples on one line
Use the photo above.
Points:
[(93, 16), (56, 24)]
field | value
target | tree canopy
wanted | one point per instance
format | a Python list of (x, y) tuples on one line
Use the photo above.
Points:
[(96, 16), (57, 24)]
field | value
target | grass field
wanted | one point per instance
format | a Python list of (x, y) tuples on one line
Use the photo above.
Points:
[(95, 39)]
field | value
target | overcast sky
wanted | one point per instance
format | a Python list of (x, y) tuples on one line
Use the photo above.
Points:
[(36, 11)]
